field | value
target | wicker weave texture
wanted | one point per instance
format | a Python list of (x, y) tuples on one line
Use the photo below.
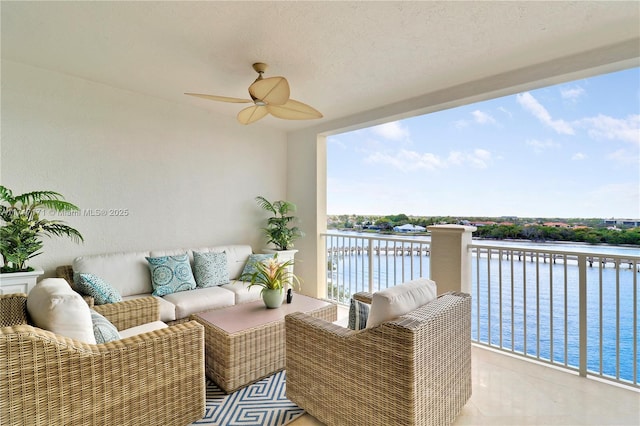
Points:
[(150, 379), (13, 309), (415, 370), (238, 359), (131, 313)]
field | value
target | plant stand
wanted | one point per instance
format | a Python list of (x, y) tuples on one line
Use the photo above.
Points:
[(19, 282)]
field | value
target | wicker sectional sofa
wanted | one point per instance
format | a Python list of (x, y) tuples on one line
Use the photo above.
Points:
[(128, 272)]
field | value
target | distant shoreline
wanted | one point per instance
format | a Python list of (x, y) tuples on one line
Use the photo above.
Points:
[(524, 241)]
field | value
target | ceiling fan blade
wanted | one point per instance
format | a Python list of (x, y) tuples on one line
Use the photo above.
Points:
[(220, 98), (252, 114), (294, 110), (272, 90)]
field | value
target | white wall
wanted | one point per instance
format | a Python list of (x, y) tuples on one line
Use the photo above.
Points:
[(186, 177), (307, 188)]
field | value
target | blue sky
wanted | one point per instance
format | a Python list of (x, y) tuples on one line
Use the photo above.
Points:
[(570, 150)]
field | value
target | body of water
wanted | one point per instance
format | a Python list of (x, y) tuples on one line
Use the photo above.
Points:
[(524, 306)]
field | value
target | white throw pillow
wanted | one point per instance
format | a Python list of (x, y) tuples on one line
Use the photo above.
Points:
[(54, 306), (395, 301)]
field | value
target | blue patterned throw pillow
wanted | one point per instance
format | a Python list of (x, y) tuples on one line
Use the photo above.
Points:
[(103, 329), (250, 266), (210, 269), (358, 314), (94, 286), (171, 274)]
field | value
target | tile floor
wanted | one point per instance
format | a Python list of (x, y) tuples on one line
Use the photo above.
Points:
[(512, 391)]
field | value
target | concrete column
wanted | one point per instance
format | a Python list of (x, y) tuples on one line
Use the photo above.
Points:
[(450, 257)]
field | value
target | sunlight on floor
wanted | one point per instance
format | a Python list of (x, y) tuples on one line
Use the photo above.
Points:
[(511, 391)]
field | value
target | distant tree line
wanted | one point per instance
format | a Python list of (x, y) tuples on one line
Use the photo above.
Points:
[(592, 231), (548, 233)]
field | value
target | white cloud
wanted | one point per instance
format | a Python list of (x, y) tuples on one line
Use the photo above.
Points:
[(624, 157), (393, 130), (540, 146), (461, 123), (528, 102), (606, 127), (572, 93), (480, 158), (506, 111), (337, 142), (406, 160), (479, 117), (482, 117), (578, 156)]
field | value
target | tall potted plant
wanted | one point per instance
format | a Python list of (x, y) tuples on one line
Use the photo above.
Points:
[(280, 229), (23, 227)]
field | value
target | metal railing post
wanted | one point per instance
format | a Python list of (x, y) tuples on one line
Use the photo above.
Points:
[(582, 314), (370, 266)]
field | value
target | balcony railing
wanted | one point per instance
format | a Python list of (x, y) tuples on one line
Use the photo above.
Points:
[(576, 310), (351, 267)]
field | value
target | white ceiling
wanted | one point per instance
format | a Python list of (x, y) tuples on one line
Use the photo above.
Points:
[(342, 58)]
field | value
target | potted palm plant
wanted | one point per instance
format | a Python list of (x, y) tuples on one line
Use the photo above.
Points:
[(273, 276), (281, 230), (23, 227)]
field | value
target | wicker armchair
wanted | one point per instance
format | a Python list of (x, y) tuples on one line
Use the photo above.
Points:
[(155, 378), (413, 370)]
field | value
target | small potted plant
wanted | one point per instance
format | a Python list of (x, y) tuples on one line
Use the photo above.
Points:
[(23, 227), (273, 276)]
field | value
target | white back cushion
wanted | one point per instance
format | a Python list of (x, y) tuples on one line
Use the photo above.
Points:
[(126, 272), (395, 301), (54, 306)]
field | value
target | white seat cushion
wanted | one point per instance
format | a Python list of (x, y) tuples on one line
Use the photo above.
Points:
[(144, 328), (242, 292), (395, 301), (200, 299), (54, 306)]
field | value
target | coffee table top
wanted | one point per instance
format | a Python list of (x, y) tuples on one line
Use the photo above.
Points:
[(243, 316)]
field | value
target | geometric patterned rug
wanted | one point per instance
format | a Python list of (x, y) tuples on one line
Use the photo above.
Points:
[(261, 404)]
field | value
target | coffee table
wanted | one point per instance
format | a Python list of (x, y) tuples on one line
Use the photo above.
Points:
[(246, 342)]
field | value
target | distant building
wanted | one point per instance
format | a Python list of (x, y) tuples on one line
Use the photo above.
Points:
[(485, 223), (409, 228), (623, 222), (556, 225)]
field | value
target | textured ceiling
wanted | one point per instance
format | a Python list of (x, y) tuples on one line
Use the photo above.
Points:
[(340, 57)]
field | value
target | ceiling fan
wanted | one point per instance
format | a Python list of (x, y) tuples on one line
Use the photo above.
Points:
[(269, 96)]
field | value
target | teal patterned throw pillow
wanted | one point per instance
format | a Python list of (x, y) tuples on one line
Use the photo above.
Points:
[(171, 274), (94, 286), (103, 329), (250, 266), (210, 269)]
